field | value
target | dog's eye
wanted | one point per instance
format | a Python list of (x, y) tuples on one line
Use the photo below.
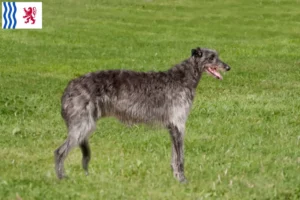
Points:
[(212, 57)]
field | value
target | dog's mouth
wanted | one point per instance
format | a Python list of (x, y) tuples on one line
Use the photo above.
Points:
[(214, 72)]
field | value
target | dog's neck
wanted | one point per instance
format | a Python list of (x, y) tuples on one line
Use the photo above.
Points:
[(188, 72)]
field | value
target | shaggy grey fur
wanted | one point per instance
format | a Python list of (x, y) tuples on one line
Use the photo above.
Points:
[(163, 98)]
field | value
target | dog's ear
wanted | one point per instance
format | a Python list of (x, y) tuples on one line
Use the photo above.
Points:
[(193, 52), (196, 52)]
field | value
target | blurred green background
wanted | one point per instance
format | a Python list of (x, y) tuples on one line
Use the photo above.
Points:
[(243, 134)]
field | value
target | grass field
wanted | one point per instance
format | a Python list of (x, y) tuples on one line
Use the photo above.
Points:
[(243, 134)]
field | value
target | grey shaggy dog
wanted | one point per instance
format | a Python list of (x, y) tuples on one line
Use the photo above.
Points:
[(163, 98)]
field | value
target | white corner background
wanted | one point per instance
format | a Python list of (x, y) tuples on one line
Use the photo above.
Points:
[(20, 13)]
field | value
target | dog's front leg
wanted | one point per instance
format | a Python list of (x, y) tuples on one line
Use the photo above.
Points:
[(177, 162)]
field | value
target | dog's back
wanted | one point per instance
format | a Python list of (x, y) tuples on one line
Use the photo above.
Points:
[(132, 97)]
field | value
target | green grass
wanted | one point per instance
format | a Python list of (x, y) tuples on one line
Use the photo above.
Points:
[(243, 134)]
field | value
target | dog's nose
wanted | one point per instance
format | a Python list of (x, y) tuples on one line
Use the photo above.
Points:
[(227, 68)]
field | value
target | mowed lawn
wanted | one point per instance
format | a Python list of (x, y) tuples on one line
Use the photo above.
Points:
[(243, 134)]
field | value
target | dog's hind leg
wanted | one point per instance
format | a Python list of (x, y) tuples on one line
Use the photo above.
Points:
[(177, 161), (86, 155), (78, 135), (80, 126), (60, 155)]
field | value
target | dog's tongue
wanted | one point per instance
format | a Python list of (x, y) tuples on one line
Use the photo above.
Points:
[(214, 72)]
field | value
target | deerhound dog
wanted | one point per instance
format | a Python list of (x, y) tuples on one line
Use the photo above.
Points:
[(163, 98)]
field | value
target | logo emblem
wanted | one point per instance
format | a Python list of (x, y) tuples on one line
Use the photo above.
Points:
[(21, 15), (30, 14)]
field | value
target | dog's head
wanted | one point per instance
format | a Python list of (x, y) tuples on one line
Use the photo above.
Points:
[(208, 60)]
